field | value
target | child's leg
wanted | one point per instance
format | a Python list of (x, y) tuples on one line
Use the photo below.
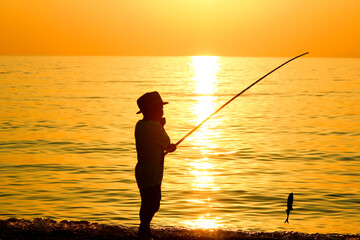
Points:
[(150, 204)]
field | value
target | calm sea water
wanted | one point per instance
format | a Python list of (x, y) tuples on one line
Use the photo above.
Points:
[(67, 141)]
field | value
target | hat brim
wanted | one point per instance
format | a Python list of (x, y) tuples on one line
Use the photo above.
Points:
[(164, 103)]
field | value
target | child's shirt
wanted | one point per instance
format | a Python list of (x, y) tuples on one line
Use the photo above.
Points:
[(151, 141)]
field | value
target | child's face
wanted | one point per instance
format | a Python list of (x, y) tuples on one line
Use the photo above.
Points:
[(155, 112), (159, 110)]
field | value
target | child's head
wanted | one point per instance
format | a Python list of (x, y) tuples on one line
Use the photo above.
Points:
[(154, 112), (151, 105)]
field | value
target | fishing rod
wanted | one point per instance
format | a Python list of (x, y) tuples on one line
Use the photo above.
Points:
[(237, 95)]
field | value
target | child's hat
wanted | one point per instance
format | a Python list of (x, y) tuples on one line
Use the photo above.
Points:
[(148, 100)]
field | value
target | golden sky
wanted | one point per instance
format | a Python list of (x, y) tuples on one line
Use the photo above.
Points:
[(326, 28)]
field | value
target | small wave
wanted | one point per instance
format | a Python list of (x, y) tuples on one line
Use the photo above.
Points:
[(48, 228), (40, 167)]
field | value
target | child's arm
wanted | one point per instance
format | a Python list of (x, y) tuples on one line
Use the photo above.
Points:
[(171, 147)]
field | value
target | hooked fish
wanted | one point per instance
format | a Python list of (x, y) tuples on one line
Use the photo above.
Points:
[(290, 201)]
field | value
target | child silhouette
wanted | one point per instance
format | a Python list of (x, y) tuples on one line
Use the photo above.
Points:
[(151, 142)]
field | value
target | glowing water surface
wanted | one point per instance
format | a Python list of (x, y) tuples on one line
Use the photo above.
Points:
[(67, 145)]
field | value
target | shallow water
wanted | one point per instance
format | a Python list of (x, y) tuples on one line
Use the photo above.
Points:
[(67, 146)]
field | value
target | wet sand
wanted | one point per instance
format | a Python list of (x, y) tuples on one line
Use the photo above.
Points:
[(18, 229)]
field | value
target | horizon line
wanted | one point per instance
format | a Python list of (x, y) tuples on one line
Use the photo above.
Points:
[(109, 55)]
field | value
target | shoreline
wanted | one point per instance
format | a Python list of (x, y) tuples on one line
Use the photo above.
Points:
[(48, 229)]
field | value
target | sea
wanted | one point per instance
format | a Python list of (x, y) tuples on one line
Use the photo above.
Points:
[(67, 147)]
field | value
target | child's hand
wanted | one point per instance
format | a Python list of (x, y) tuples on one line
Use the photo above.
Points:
[(163, 121), (171, 148)]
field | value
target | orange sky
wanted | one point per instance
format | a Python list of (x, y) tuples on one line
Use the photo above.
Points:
[(326, 28)]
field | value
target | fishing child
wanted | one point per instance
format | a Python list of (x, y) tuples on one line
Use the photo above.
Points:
[(151, 142)]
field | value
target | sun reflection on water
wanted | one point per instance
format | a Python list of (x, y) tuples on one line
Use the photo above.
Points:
[(206, 222), (204, 107), (205, 69), (202, 170)]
